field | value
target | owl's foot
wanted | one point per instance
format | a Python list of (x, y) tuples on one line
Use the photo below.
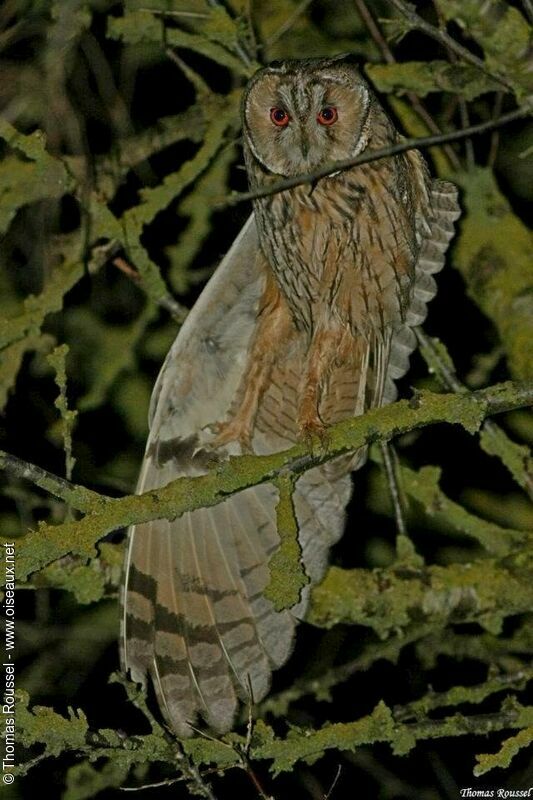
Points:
[(312, 429), (233, 431)]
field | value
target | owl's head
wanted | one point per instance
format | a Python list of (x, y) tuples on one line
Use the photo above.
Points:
[(299, 115)]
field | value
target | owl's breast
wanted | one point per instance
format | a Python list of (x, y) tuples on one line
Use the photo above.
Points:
[(301, 244), (339, 254)]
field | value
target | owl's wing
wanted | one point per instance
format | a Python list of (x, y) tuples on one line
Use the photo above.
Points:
[(436, 229), (194, 617), (381, 360)]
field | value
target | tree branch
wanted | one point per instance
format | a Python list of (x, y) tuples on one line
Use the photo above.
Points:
[(41, 547), (379, 726), (420, 143), (389, 58), (77, 496), (416, 22), (388, 600)]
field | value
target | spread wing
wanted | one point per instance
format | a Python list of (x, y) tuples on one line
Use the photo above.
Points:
[(436, 229), (194, 617)]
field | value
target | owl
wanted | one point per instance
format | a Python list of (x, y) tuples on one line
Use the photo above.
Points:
[(308, 320)]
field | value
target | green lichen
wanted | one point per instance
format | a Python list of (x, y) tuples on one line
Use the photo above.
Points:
[(493, 254), (424, 77), (423, 486), (57, 360), (37, 308), (38, 177), (50, 542), (142, 26), (517, 458), (391, 600), (287, 574), (461, 695), (43, 726), (198, 208), (11, 361), (503, 33), (509, 749)]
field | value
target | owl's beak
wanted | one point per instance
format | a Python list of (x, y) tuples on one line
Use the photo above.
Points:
[(304, 144)]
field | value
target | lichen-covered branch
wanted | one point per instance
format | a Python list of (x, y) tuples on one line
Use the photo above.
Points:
[(492, 439), (41, 547), (388, 600), (45, 727), (493, 254)]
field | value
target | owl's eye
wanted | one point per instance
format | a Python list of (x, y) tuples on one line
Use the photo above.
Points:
[(328, 116), (279, 117)]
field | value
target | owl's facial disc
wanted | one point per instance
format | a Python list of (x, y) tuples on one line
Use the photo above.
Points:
[(298, 120)]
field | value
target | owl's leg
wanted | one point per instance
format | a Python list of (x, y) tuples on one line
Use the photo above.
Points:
[(274, 327), (321, 356)]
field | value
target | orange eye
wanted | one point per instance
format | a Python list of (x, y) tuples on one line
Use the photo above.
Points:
[(328, 116), (279, 117)]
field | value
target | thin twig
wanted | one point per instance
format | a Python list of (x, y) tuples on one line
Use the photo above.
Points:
[(446, 376), (81, 498), (463, 110), (335, 781), (388, 56), (367, 157), (192, 14), (249, 34), (375, 31), (417, 22), (197, 81), (469, 147), (528, 8), (394, 490), (449, 380), (175, 309), (289, 22), (495, 138)]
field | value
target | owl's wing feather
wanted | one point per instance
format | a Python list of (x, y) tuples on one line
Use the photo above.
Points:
[(194, 617), (437, 230)]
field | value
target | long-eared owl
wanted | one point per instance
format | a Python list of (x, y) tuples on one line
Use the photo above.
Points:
[(308, 320)]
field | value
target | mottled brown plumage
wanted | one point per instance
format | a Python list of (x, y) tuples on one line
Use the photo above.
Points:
[(308, 320)]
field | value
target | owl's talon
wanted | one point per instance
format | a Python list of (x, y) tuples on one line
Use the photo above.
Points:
[(312, 430), (233, 431)]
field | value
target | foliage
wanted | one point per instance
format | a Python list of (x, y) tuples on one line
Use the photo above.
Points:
[(113, 208)]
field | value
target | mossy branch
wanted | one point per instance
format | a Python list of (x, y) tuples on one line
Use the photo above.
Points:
[(43, 726), (391, 600), (41, 547)]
